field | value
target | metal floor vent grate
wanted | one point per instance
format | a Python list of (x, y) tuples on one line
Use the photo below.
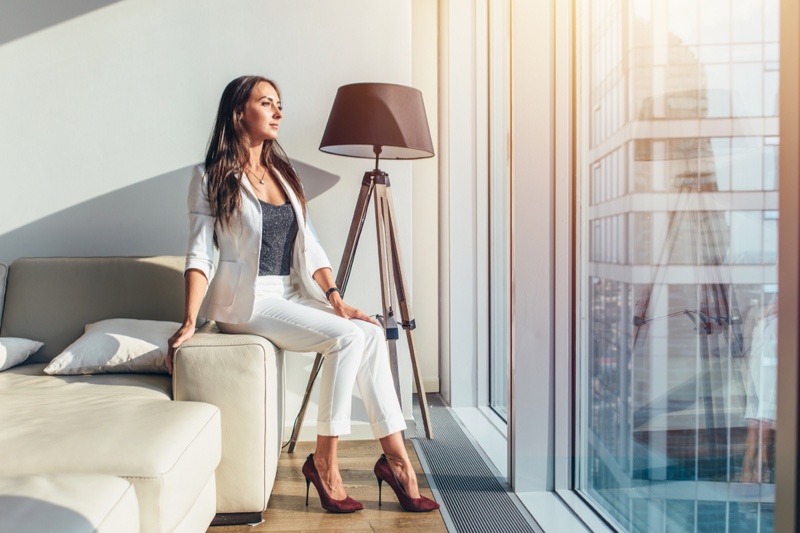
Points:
[(472, 498)]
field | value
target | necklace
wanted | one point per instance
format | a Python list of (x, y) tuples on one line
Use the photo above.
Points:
[(261, 181)]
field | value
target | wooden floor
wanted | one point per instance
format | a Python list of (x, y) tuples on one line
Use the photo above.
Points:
[(287, 509)]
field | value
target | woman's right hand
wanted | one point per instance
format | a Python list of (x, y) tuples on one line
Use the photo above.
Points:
[(194, 289), (184, 333)]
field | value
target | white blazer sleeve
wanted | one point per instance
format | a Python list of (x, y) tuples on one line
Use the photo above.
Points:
[(315, 255), (200, 254)]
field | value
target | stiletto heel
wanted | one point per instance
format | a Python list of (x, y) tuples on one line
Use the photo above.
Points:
[(347, 505), (417, 505)]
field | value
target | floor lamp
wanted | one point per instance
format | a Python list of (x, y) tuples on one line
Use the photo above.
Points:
[(374, 121)]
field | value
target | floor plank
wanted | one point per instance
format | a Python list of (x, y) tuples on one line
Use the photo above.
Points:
[(287, 510)]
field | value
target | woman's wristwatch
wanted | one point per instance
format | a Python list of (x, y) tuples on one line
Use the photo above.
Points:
[(331, 291)]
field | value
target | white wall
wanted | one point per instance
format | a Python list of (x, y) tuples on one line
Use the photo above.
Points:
[(104, 114), (425, 290)]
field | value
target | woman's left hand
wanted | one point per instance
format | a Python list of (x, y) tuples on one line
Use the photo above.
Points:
[(348, 311)]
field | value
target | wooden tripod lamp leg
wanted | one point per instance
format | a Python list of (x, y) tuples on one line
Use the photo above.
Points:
[(405, 312), (386, 268), (356, 225)]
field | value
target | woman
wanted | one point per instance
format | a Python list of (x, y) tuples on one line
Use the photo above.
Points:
[(761, 379), (273, 279)]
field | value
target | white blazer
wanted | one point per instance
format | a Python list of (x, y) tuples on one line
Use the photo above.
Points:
[(231, 293)]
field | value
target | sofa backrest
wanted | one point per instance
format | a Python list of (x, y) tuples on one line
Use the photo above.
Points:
[(52, 299)]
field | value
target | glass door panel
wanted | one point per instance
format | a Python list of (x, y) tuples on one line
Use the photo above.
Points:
[(499, 199), (677, 128)]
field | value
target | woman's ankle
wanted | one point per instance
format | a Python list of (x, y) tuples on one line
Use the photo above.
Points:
[(321, 459), (403, 470)]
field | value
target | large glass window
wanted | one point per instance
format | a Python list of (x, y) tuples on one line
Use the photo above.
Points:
[(677, 262), (499, 203)]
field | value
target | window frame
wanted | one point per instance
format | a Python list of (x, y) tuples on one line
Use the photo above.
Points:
[(465, 379), (498, 20), (787, 496)]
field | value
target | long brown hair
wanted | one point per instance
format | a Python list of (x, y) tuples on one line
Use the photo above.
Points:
[(228, 153)]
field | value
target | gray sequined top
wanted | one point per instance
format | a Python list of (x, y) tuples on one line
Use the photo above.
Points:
[(277, 239)]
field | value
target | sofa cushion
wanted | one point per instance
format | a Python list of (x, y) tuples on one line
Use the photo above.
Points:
[(78, 503), (52, 299), (30, 379), (167, 450), (202, 512), (117, 345)]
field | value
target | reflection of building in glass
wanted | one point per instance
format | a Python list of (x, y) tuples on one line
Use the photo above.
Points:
[(681, 215)]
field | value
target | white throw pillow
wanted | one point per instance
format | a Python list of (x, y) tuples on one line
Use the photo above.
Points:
[(14, 351), (117, 345)]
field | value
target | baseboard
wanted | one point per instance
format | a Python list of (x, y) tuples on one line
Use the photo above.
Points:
[(430, 384)]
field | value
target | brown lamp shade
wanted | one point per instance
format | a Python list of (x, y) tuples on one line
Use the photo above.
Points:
[(366, 115)]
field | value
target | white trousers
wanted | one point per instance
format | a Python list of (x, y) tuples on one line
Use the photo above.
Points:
[(354, 352)]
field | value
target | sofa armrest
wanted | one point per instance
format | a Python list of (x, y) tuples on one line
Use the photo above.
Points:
[(243, 375)]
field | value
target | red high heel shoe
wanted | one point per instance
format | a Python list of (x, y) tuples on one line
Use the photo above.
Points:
[(347, 505), (416, 505)]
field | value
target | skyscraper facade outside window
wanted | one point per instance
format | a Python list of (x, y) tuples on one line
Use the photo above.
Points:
[(677, 122)]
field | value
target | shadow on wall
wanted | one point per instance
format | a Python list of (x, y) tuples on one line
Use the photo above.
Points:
[(19, 18), (144, 219)]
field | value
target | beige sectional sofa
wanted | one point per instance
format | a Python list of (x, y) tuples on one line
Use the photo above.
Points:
[(201, 442)]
